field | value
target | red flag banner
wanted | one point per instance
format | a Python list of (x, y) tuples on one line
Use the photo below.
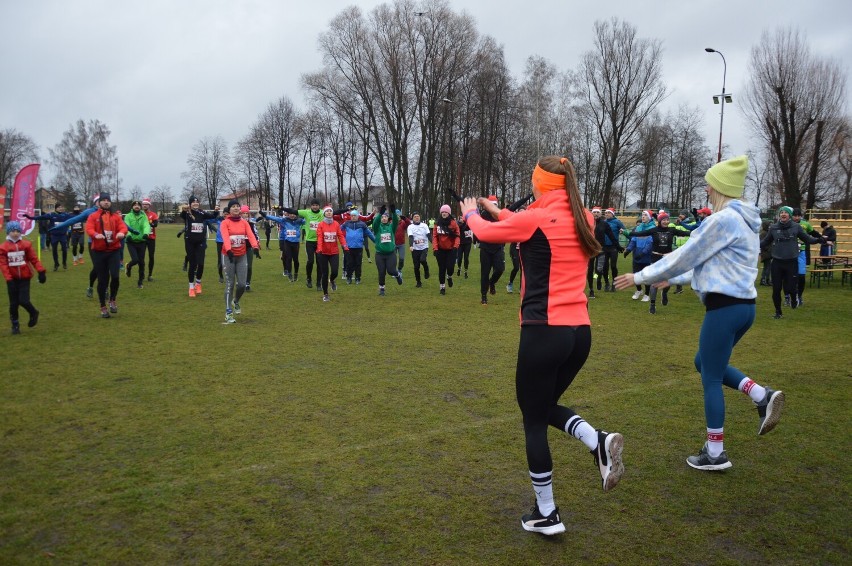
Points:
[(3, 204), (23, 197)]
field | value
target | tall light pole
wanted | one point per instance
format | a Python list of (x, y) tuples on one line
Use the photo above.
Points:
[(721, 98)]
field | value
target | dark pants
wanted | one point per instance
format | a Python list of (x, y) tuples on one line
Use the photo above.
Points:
[(219, 258), (106, 266), (386, 264), (516, 263), (195, 255), (446, 262), (77, 242), (19, 296), (354, 257), (611, 265), (637, 267), (137, 257), (464, 255), (420, 257), (55, 242), (151, 246), (784, 274), (492, 262), (549, 357), (311, 251), (290, 256), (596, 265), (327, 268)]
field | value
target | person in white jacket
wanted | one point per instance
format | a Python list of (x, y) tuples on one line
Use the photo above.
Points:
[(720, 261)]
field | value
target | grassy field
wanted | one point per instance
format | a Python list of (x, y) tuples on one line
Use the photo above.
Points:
[(375, 430)]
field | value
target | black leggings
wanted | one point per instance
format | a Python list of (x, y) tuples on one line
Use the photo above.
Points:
[(311, 251), (464, 255), (195, 254), (137, 257), (77, 242), (516, 262), (106, 265), (290, 256), (611, 255), (785, 272), (327, 267), (151, 245), (19, 296), (55, 242), (549, 357), (493, 264), (446, 262)]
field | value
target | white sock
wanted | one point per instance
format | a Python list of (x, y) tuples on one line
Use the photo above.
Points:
[(582, 431), (752, 389), (192, 285), (715, 441), (543, 487)]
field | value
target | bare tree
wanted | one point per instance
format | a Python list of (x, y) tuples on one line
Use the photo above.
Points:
[(623, 88), (162, 198), (85, 160), (791, 91), (209, 169), (842, 145), (16, 151)]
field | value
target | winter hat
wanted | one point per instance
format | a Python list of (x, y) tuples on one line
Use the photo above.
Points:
[(327, 207), (493, 198), (349, 204), (104, 196), (705, 211), (353, 214), (662, 215), (446, 208), (244, 208), (728, 177), (193, 199), (797, 211), (611, 211), (314, 201), (135, 202), (146, 200), (596, 209), (231, 202), (398, 212), (649, 213), (13, 225), (786, 209)]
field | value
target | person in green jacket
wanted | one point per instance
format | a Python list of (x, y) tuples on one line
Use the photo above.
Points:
[(312, 216), (384, 228), (138, 231)]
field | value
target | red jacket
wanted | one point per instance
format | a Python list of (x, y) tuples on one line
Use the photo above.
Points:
[(327, 237), (443, 241), (108, 223), (15, 260), (235, 232), (402, 230), (152, 217), (553, 263)]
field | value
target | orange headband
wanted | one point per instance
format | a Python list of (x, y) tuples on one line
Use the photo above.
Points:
[(546, 181)]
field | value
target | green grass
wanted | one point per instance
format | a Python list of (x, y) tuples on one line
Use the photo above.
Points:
[(385, 431)]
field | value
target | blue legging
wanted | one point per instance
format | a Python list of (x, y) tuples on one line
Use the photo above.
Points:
[(720, 332)]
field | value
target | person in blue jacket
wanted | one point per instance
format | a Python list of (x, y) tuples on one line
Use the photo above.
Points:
[(610, 249), (641, 248), (357, 233), (81, 219), (289, 235), (57, 237)]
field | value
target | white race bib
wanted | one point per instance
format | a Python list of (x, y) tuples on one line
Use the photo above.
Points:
[(419, 241), (468, 233), (291, 233), (385, 238), (313, 224), (330, 237), (16, 259), (108, 236), (237, 241), (197, 227)]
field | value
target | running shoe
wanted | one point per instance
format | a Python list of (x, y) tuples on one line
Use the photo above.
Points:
[(399, 278), (198, 287), (769, 410), (326, 298), (90, 293), (192, 292), (636, 295), (703, 461), (608, 458), (104, 312), (449, 282), (535, 522), (113, 308), (237, 309), (229, 318), (510, 288)]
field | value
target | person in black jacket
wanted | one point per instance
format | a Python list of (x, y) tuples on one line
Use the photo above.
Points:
[(663, 236), (195, 240), (784, 238), (597, 264)]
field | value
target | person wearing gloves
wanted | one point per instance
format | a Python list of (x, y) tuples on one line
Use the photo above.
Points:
[(313, 216), (492, 263), (783, 237), (329, 239), (419, 237), (556, 244), (720, 261), (597, 265), (16, 257), (139, 230), (236, 232), (641, 248), (195, 240), (446, 239), (79, 219), (289, 233), (662, 237), (384, 230), (107, 230), (611, 249), (151, 242), (357, 233), (57, 237)]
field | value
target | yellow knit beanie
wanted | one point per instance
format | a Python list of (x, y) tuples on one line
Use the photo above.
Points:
[(728, 177)]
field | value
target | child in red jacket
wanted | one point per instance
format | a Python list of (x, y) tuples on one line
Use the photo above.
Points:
[(16, 255)]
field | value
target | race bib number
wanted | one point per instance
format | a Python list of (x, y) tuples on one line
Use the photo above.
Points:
[(440, 230), (419, 241), (77, 227), (237, 241), (468, 233), (329, 237), (16, 259), (385, 238), (108, 236), (197, 227), (291, 233), (313, 224)]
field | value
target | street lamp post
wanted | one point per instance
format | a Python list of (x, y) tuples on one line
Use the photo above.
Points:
[(721, 98)]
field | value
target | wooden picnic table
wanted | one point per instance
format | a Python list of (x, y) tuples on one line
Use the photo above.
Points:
[(825, 266)]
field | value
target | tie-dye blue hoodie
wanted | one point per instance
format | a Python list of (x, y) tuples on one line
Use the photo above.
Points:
[(719, 257)]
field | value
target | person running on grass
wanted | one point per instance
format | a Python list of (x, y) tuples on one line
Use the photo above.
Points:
[(611, 249), (58, 238), (16, 256), (357, 233), (236, 233), (597, 265), (641, 248), (662, 237), (289, 233), (329, 239), (720, 262), (555, 233), (106, 229), (312, 216), (78, 239), (151, 242), (139, 230), (419, 237), (492, 263), (463, 255), (446, 238), (384, 230), (195, 240)]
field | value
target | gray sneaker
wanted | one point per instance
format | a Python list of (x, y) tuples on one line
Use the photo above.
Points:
[(229, 318), (769, 410), (237, 309), (704, 462)]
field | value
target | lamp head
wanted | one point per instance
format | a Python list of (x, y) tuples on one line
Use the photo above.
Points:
[(709, 50)]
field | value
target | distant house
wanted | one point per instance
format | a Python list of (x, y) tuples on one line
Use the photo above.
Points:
[(249, 198), (46, 199)]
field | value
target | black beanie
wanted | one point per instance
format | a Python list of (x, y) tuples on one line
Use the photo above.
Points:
[(233, 202)]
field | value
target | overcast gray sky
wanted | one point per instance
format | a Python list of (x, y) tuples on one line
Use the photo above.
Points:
[(162, 74)]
